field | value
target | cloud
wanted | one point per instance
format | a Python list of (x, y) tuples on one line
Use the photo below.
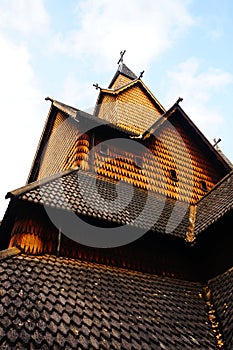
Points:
[(104, 28), (78, 93), (200, 92), (22, 110), (22, 103), (24, 16)]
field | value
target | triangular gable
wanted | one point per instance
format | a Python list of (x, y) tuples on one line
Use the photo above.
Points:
[(131, 106), (48, 143), (127, 86), (198, 135), (59, 114), (188, 161)]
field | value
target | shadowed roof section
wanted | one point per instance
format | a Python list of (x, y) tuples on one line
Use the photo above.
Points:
[(62, 191), (222, 296), (215, 204), (91, 195), (62, 303)]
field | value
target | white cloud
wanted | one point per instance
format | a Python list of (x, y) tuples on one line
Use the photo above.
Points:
[(23, 108), (106, 27), (200, 93), (78, 93), (25, 16), (22, 111)]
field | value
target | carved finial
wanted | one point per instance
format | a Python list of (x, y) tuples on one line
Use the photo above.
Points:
[(216, 142), (190, 234), (48, 99), (180, 99), (141, 74), (97, 86), (121, 58)]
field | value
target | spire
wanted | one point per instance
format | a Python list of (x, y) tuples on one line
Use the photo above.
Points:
[(123, 70)]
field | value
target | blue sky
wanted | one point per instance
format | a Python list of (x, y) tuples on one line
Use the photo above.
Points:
[(60, 48)]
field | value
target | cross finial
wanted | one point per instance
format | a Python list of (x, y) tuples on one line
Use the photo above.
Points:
[(97, 86), (121, 58), (216, 141), (141, 74), (180, 99)]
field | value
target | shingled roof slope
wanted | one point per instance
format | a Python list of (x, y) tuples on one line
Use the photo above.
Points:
[(215, 204), (69, 191), (59, 303), (222, 297), (62, 191), (176, 108)]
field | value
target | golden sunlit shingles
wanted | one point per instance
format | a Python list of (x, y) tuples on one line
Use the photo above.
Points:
[(63, 135), (120, 81), (130, 108), (78, 155)]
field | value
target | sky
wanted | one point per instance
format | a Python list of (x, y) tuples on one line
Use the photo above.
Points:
[(61, 48)]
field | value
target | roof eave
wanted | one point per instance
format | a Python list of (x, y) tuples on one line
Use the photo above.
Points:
[(21, 190)]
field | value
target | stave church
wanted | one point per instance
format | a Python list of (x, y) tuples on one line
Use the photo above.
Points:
[(121, 237)]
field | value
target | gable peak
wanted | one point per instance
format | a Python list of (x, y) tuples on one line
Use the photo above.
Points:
[(122, 70)]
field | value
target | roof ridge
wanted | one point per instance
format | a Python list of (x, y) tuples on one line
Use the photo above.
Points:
[(224, 156), (112, 91)]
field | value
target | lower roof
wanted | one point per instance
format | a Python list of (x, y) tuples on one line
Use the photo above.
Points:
[(215, 204), (48, 302), (90, 195), (120, 203)]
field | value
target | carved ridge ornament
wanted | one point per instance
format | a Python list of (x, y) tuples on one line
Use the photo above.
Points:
[(190, 236)]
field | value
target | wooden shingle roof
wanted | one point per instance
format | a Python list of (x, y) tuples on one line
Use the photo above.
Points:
[(62, 191), (48, 302), (215, 204)]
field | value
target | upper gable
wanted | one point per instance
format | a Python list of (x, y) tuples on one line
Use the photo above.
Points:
[(120, 81), (131, 107), (179, 148), (137, 111)]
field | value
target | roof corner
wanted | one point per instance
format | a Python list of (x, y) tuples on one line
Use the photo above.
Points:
[(6, 253)]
